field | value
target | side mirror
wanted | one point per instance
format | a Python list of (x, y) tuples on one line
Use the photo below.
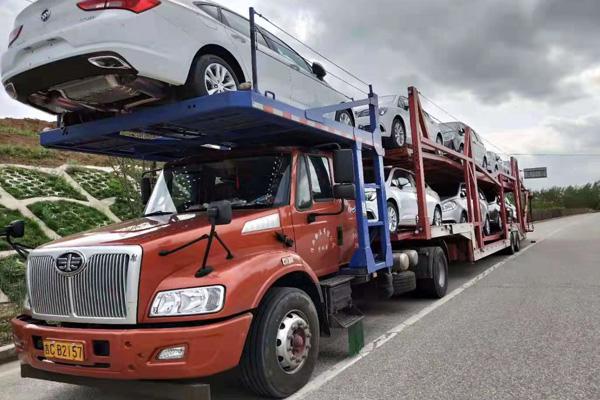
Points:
[(343, 166), (396, 182), (319, 70), (463, 193), (219, 212), (15, 229), (344, 191), (146, 189)]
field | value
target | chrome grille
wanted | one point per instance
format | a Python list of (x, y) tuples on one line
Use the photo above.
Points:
[(104, 290), (48, 289), (99, 290)]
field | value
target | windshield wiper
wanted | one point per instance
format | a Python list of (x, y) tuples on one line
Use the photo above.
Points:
[(157, 213)]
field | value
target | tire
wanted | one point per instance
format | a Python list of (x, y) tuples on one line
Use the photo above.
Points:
[(398, 134), (511, 249), (487, 226), (436, 286), (437, 217), (517, 242), (404, 282), (198, 81), (263, 370), (439, 140), (344, 117), (392, 210), (463, 218), (461, 148), (485, 164)]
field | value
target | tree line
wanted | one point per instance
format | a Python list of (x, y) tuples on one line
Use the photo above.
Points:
[(570, 197)]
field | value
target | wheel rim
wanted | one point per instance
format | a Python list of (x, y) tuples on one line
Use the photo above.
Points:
[(487, 226), (399, 133), (437, 218), (345, 119), (392, 218), (293, 342), (218, 79), (441, 275), (439, 140)]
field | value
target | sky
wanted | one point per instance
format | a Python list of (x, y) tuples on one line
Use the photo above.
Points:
[(525, 74)]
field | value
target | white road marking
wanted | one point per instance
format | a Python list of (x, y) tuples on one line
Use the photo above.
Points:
[(338, 368)]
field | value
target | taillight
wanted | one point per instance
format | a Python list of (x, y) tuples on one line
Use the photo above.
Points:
[(137, 6), (14, 35)]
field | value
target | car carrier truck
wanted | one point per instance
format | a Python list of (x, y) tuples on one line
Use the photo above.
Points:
[(255, 234)]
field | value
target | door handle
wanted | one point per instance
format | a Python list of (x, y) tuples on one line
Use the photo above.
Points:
[(239, 38)]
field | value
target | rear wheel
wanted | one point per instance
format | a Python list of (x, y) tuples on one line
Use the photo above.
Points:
[(486, 226), (393, 217), (437, 285), (461, 148), (437, 217), (344, 117), (439, 139), (210, 75), (283, 345), (398, 134), (485, 164), (404, 282), (512, 248), (517, 241)]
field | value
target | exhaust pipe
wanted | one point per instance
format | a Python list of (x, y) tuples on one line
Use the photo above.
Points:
[(109, 62)]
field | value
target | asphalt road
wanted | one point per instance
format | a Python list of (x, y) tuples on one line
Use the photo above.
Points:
[(529, 329)]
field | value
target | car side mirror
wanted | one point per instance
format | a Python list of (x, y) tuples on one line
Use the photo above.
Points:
[(146, 189), (396, 182), (15, 229), (319, 70), (344, 191), (343, 166), (219, 212), (463, 193)]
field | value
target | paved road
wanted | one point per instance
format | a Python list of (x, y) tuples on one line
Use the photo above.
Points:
[(529, 329)]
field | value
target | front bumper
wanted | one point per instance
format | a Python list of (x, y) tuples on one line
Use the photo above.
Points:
[(211, 349)]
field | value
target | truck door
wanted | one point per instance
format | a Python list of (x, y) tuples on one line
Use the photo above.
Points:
[(316, 242)]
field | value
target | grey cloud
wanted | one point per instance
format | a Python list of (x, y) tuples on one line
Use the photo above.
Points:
[(579, 135)]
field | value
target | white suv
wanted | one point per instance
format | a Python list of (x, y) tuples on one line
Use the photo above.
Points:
[(92, 57)]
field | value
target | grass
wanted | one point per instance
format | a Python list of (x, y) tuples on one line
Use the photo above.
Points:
[(18, 131), (7, 312), (101, 185), (33, 234), (12, 279), (24, 183), (126, 209), (67, 218), (25, 152)]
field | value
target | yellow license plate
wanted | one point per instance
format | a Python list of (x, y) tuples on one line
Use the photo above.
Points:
[(71, 351)]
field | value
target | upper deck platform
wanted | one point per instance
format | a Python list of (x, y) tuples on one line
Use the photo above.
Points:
[(231, 120)]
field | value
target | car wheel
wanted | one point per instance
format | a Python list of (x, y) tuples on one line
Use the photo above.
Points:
[(210, 75), (463, 218), (283, 344), (398, 136), (461, 148), (344, 117), (437, 217), (439, 139), (485, 164), (486, 227), (393, 218)]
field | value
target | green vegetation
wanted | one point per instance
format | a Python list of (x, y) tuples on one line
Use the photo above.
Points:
[(25, 152), (6, 129), (67, 218), (25, 183), (570, 197), (101, 185), (12, 279), (33, 234), (7, 312)]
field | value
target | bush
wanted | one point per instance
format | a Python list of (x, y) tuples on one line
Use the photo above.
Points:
[(12, 279), (67, 218), (33, 234)]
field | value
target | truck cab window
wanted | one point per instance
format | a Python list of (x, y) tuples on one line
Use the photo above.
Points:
[(303, 198), (320, 178)]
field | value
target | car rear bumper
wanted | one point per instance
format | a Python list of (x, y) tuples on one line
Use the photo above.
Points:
[(130, 354)]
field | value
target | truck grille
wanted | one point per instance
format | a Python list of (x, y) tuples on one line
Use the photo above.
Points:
[(99, 292)]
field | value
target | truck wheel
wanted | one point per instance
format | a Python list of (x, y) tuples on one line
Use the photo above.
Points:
[(512, 248), (283, 345), (404, 282), (437, 285), (517, 242)]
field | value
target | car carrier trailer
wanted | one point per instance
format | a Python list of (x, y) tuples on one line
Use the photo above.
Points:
[(148, 304)]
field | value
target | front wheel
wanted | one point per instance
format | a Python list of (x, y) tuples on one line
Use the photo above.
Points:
[(487, 227), (437, 217), (437, 285), (283, 345), (210, 75), (344, 117), (398, 134), (393, 218)]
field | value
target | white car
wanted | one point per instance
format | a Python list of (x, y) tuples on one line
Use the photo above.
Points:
[(394, 121), (93, 58), (402, 205), (455, 208), (452, 134)]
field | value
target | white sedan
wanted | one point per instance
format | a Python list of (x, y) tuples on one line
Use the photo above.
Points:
[(394, 121), (402, 204), (91, 58)]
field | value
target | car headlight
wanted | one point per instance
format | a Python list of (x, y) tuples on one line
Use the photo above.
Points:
[(449, 206), (382, 110), (370, 196), (191, 301)]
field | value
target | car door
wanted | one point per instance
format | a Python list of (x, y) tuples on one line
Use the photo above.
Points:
[(317, 242), (274, 73)]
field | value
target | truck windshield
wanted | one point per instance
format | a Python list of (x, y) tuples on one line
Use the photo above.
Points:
[(251, 182)]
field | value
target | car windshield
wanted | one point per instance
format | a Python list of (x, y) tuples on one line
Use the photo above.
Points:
[(252, 182), (448, 190), (369, 174)]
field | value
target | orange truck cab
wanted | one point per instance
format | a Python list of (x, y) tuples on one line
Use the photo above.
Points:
[(226, 268)]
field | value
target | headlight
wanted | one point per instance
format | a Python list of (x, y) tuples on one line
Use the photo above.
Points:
[(199, 300), (449, 206), (382, 110), (370, 196)]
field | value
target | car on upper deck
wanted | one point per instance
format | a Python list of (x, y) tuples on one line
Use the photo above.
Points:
[(89, 59)]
